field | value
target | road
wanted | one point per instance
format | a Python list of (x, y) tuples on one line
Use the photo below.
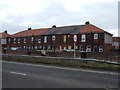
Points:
[(24, 75)]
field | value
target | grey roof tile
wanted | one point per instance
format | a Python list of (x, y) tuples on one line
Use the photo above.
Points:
[(65, 30)]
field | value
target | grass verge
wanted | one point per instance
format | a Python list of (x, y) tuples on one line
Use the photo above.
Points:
[(65, 63)]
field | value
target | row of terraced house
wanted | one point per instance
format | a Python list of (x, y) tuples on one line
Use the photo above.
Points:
[(90, 38)]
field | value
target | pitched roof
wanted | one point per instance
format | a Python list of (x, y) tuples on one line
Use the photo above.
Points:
[(91, 28), (4, 35), (116, 39), (30, 32), (76, 29), (65, 30)]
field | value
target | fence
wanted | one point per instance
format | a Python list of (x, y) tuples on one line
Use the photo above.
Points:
[(107, 56)]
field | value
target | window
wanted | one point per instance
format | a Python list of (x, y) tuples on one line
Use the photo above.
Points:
[(100, 49), (14, 40), (95, 48), (69, 47), (24, 47), (64, 38), (9, 39), (83, 38), (81, 48), (44, 47), (32, 39), (76, 47), (39, 40), (3, 41), (53, 37), (49, 47), (60, 47), (18, 40), (35, 47), (29, 47), (68, 35), (95, 36), (64, 48), (45, 39), (88, 49), (24, 40)]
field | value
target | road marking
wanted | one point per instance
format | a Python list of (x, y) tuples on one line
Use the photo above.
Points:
[(18, 73), (65, 68)]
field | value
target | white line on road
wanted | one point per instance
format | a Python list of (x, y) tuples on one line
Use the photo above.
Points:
[(18, 73), (65, 68)]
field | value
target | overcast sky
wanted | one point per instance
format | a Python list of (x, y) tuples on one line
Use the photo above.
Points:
[(18, 15)]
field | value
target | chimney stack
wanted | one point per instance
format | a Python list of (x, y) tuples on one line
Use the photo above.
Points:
[(54, 26), (29, 28), (86, 23), (5, 31)]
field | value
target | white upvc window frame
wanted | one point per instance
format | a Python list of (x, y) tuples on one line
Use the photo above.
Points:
[(95, 35), (45, 39), (39, 40), (18, 40), (14, 40), (32, 38), (9, 39), (81, 48), (64, 38), (49, 47), (83, 38), (88, 48), (24, 40), (53, 38), (3, 41), (100, 48)]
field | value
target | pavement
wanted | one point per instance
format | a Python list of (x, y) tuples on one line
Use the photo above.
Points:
[(25, 75)]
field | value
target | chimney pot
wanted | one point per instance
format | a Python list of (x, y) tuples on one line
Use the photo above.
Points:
[(87, 22), (29, 28), (5, 31), (54, 26)]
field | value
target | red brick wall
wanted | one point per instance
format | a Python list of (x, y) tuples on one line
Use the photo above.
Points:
[(107, 47)]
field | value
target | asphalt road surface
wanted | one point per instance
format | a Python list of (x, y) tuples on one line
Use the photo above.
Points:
[(23, 75)]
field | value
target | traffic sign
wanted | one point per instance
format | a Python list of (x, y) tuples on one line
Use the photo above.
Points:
[(75, 38)]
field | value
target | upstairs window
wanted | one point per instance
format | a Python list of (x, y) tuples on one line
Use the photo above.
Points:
[(9, 39), (83, 38), (95, 36), (24, 40), (14, 40), (32, 39), (18, 40), (45, 39), (39, 40), (53, 38), (3, 41), (64, 39)]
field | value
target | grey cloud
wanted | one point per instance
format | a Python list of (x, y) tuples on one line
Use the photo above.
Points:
[(101, 14), (11, 27)]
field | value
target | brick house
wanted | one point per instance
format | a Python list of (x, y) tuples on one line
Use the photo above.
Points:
[(29, 39), (89, 39), (116, 43), (4, 39)]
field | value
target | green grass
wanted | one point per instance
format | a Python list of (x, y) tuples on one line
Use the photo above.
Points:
[(64, 63)]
